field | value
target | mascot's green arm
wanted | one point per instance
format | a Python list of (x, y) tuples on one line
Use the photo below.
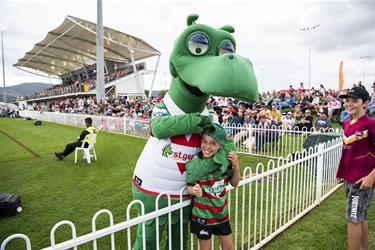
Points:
[(169, 126)]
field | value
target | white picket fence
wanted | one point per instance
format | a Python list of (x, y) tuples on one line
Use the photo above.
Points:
[(278, 142), (266, 202)]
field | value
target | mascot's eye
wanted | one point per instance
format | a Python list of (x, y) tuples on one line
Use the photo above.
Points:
[(198, 44), (226, 47)]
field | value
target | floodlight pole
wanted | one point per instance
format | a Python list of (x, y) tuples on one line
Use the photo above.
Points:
[(2, 27), (100, 90), (309, 29), (364, 68)]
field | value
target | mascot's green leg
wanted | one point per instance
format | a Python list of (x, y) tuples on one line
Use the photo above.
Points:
[(150, 227)]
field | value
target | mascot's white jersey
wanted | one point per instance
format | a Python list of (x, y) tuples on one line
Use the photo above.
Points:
[(161, 166)]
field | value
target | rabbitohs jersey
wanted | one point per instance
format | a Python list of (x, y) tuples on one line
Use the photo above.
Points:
[(212, 207), (358, 152), (161, 166)]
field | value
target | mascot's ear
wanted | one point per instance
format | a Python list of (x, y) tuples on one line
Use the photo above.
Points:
[(228, 28), (191, 19)]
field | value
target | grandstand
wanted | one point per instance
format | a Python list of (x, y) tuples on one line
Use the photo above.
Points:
[(68, 53)]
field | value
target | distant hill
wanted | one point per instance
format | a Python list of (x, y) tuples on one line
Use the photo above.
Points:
[(22, 89)]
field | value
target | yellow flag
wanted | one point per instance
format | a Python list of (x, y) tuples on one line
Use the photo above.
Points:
[(341, 77)]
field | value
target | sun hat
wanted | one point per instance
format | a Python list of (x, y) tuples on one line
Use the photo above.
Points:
[(217, 132), (357, 93)]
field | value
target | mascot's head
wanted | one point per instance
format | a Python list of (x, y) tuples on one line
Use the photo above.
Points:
[(204, 62)]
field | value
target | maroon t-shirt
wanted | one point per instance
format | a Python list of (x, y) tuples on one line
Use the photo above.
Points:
[(358, 153)]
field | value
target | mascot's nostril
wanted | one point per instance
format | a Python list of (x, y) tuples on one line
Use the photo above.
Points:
[(231, 57)]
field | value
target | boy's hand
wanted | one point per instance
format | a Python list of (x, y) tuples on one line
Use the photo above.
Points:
[(366, 182), (197, 190)]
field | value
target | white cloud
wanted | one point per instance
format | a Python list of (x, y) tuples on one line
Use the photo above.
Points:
[(267, 32)]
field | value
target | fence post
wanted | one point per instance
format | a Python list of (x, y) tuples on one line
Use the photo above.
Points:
[(14, 236), (250, 137), (319, 173), (125, 125)]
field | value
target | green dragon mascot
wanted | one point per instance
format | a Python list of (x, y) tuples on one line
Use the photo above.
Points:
[(203, 63)]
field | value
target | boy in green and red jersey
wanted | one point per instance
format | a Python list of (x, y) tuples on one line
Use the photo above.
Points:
[(357, 166), (208, 174)]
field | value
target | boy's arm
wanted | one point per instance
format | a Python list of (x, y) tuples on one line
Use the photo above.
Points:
[(236, 177), (368, 181), (235, 180)]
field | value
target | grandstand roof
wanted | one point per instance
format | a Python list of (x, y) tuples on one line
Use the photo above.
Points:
[(72, 46)]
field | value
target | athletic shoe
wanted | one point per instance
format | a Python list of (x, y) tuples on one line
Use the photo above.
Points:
[(58, 155)]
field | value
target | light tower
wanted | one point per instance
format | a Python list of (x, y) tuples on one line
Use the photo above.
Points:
[(309, 29)]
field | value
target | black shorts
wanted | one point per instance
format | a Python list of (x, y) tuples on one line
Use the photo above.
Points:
[(204, 232), (358, 202)]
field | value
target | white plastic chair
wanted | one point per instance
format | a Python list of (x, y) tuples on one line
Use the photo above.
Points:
[(86, 151)]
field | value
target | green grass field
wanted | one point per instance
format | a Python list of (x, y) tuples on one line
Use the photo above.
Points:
[(52, 190)]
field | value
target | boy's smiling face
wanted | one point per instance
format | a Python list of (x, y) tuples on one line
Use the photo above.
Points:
[(354, 105), (209, 146)]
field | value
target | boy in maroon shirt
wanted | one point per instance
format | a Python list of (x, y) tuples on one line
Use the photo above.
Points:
[(357, 166)]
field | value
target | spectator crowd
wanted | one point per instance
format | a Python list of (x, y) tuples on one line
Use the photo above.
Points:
[(82, 84), (291, 109)]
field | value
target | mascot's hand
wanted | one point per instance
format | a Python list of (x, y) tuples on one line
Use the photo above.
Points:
[(169, 126), (206, 122)]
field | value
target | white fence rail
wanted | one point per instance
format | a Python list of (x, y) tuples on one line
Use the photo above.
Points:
[(107, 123), (272, 142), (267, 201), (277, 143)]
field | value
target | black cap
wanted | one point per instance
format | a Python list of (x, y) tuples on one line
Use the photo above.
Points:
[(357, 93)]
